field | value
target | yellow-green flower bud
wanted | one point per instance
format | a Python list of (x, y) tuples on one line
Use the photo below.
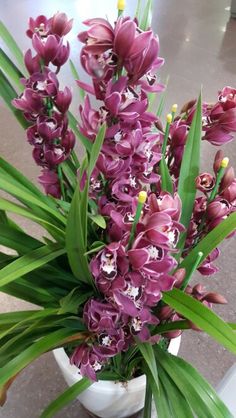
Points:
[(142, 197), (224, 163), (121, 5), (174, 108), (169, 118)]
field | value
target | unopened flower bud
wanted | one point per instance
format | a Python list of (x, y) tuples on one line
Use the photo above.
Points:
[(227, 179), (169, 118), (174, 108), (213, 297), (217, 209), (142, 197), (205, 182), (225, 162), (187, 106), (179, 276), (218, 158), (121, 5)]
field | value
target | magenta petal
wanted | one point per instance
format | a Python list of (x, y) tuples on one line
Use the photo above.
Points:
[(138, 257), (124, 39), (113, 103)]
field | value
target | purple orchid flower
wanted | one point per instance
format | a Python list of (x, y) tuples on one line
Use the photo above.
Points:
[(100, 316), (60, 25), (50, 182), (41, 25), (205, 182), (87, 361)]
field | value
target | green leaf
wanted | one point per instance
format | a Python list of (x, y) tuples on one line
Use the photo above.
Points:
[(25, 357), (8, 93), (166, 181), (202, 316), (67, 396), (75, 74), (160, 397), (72, 301), (31, 316), (147, 412), (29, 262), (73, 125), (8, 206), (17, 240), (147, 16), (178, 403), (23, 195), (75, 245), (147, 352), (12, 45), (98, 220), (201, 397), (11, 71), (96, 148), (162, 99), (21, 180), (138, 10), (190, 170), (211, 241), (95, 247)]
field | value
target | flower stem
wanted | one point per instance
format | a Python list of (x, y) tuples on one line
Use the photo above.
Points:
[(167, 130), (60, 176), (194, 267), (220, 174), (141, 200)]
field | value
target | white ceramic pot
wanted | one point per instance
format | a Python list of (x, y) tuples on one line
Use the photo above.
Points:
[(108, 399)]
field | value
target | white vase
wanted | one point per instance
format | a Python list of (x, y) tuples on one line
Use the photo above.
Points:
[(109, 399)]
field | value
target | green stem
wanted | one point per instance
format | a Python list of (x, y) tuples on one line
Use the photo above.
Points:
[(60, 176), (219, 177), (166, 136), (75, 158), (171, 326), (194, 267), (136, 219)]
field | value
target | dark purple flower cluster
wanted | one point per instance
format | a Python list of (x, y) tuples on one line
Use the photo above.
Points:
[(136, 266), (219, 119), (43, 103), (208, 213)]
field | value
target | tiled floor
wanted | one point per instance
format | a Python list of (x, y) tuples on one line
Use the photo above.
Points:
[(198, 41)]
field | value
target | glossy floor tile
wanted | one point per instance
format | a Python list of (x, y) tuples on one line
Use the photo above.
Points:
[(198, 42)]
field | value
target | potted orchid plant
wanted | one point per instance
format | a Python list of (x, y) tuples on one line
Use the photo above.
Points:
[(124, 227)]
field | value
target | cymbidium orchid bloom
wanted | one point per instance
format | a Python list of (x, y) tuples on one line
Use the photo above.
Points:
[(43, 104), (136, 259)]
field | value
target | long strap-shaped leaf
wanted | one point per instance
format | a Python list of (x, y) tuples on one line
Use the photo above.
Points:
[(17, 240), (211, 241), (8, 93), (200, 395), (166, 181), (21, 180), (68, 396), (23, 195), (75, 240), (73, 125), (12, 45), (11, 70), (179, 405), (203, 317), (8, 206), (76, 230), (190, 169), (23, 359), (149, 357), (29, 262)]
